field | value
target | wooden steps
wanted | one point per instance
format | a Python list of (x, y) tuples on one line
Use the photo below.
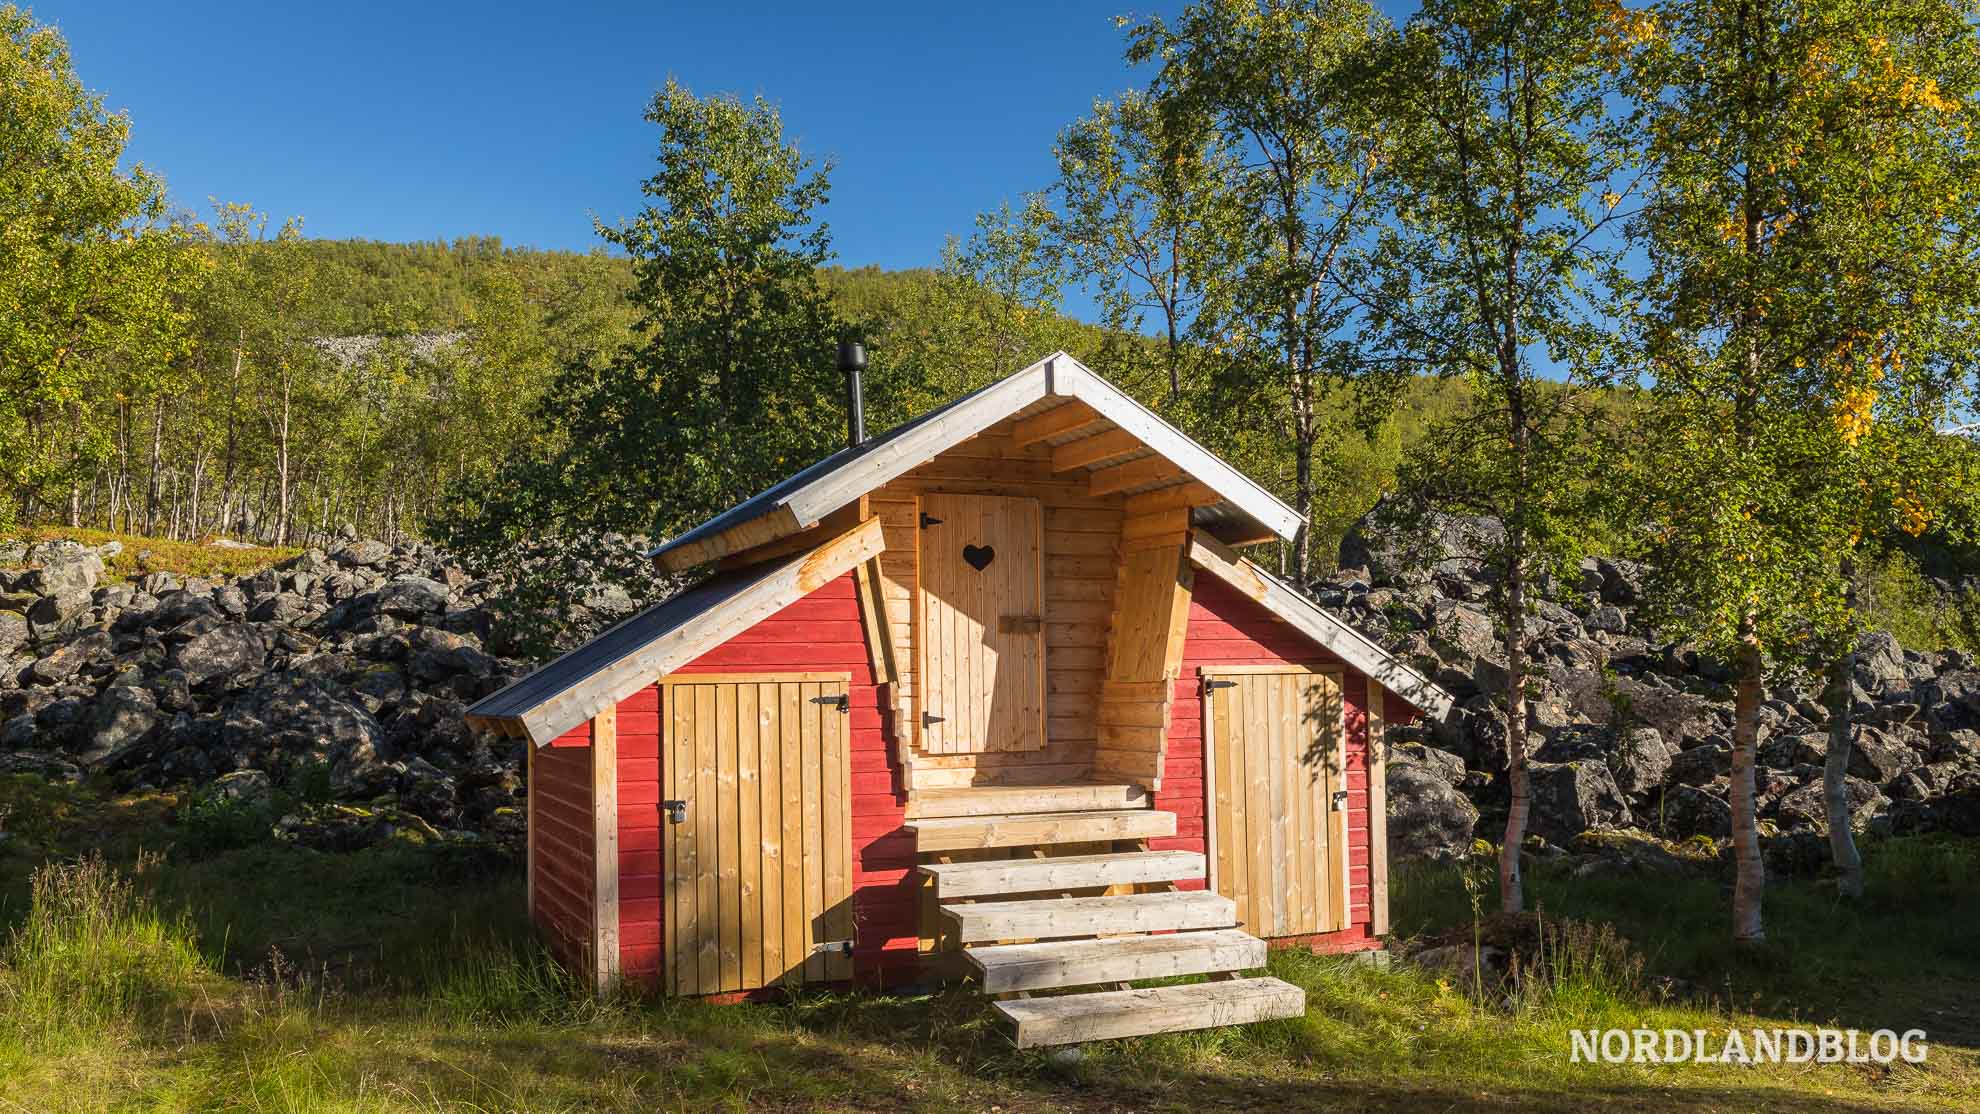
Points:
[(1165, 1009), (1031, 936), (1065, 872), (1061, 963), (1090, 916), (1007, 800), (957, 833)]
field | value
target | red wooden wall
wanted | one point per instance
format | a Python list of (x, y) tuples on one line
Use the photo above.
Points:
[(823, 632), (562, 833), (819, 633), (1227, 628)]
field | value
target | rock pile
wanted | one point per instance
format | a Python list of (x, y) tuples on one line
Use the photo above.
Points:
[(1630, 732), (336, 678)]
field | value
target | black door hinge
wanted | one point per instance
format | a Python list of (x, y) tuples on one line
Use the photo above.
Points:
[(842, 703), (928, 520), (1212, 686), (930, 719)]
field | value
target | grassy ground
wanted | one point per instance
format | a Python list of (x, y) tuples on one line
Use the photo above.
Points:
[(142, 555), (270, 978)]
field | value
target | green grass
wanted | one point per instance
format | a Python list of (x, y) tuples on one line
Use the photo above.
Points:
[(142, 554), (271, 978)]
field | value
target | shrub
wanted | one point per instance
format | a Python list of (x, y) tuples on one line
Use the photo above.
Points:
[(213, 822)]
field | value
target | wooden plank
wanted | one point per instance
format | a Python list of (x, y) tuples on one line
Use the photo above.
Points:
[(957, 777), (605, 848), (996, 801), (1282, 755), (1071, 1018), (1175, 910), (1260, 819), (728, 876), (832, 525), (814, 831), (954, 833), (1308, 802), (1183, 495), (1135, 473), (1003, 968), (770, 764), (1378, 813), (1230, 877), (749, 833), (774, 523), (1334, 715), (683, 884), (1061, 872), (1154, 524), (790, 747), (1065, 418), (1088, 451), (835, 776), (704, 810), (1173, 540)]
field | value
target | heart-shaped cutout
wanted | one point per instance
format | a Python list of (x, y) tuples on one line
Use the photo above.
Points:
[(979, 556)]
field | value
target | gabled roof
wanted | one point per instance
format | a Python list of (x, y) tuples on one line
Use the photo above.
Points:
[(1314, 621), (632, 654), (1231, 505)]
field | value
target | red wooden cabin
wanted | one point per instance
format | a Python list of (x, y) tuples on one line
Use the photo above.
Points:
[(989, 694)]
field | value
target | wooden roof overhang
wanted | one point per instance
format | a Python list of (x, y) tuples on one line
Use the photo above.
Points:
[(1327, 630), (1092, 428), (637, 652)]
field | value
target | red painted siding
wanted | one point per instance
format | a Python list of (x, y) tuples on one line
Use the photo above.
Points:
[(1226, 628), (563, 836), (819, 633)]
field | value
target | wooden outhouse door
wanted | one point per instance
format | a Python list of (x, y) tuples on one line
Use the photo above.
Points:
[(758, 869), (1276, 765), (982, 629)]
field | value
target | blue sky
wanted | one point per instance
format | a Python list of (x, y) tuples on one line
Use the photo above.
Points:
[(430, 120)]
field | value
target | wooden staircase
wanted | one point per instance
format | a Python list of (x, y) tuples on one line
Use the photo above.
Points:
[(1099, 921)]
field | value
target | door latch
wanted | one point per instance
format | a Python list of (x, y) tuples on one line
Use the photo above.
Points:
[(676, 811), (1340, 800)]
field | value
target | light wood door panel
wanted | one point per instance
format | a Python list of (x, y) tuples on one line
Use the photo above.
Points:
[(760, 871), (1277, 759), (981, 609)]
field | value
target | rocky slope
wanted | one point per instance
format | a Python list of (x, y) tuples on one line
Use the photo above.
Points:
[(1632, 733), (329, 691), (331, 686)]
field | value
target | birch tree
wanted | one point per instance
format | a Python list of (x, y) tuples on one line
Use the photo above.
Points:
[(1505, 190), (1809, 268)]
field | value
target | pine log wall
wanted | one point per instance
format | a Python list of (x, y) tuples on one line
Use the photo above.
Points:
[(1082, 546)]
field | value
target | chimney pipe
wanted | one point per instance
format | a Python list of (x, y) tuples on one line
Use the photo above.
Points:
[(852, 361)]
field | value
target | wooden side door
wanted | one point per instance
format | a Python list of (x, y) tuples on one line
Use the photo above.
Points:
[(758, 873), (982, 631), (1276, 767)]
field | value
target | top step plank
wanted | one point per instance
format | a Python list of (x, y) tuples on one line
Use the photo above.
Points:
[(1062, 872), (958, 833), (1006, 800)]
